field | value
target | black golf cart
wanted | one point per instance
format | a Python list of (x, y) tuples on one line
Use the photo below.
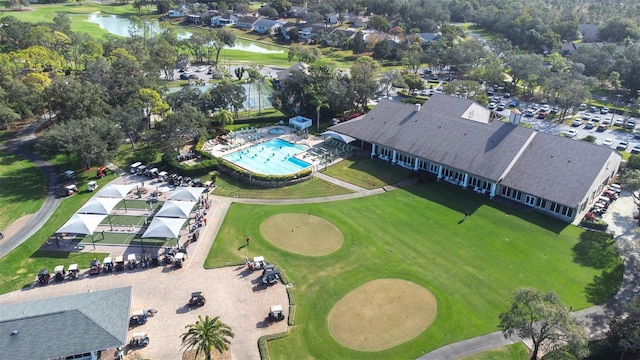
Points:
[(270, 274), (197, 299), (43, 276)]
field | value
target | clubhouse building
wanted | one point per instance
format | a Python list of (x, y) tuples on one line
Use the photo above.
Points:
[(465, 144)]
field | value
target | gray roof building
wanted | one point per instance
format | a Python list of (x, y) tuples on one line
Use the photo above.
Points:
[(458, 134), (66, 325)]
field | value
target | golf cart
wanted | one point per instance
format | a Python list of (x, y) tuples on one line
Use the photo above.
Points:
[(92, 186), (138, 318), (155, 260), (257, 263), (132, 261), (73, 271), (119, 263), (179, 259), (107, 264), (270, 274), (276, 313), (162, 176), (59, 273), (96, 266), (70, 175), (43, 276), (134, 167), (197, 299), (69, 190), (101, 172), (139, 339)]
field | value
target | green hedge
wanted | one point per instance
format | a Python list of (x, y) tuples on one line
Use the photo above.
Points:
[(595, 224), (243, 173), (292, 315), (200, 169), (262, 343), (292, 298)]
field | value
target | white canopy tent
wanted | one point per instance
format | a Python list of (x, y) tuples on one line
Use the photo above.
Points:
[(82, 224), (300, 122), (344, 138), (99, 205), (187, 193), (162, 227), (176, 209), (116, 191)]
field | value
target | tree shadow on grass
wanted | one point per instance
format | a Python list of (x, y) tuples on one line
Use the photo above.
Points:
[(49, 254), (596, 250), (605, 285)]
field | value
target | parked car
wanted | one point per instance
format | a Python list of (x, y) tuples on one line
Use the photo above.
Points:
[(607, 120), (576, 122), (589, 126), (595, 118), (184, 76), (571, 133), (622, 145), (618, 121), (529, 113), (582, 107), (635, 149), (607, 142), (631, 124), (604, 110), (513, 103), (601, 128)]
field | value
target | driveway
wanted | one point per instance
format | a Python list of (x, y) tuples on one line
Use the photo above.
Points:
[(232, 293)]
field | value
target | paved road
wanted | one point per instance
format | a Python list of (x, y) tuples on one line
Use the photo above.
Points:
[(20, 145)]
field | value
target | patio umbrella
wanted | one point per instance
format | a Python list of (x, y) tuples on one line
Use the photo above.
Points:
[(101, 206), (187, 193), (176, 209), (82, 224), (162, 227), (116, 191)]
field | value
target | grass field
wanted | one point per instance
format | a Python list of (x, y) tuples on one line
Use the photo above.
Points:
[(515, 351), (126, 238), (418, 234), (23, 188), (367, 173), (228, 186)]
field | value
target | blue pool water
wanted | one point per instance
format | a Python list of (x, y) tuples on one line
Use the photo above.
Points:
[(274, 157)]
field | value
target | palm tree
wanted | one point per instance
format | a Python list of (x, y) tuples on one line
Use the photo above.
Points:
[(205, 335)]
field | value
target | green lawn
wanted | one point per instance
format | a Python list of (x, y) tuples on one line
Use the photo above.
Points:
[(367, 173), (20, 267), (228, 186), (127, 238), (472, 267), (515, 351), (23, 188)]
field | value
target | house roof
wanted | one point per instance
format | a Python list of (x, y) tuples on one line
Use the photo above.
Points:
[(299, 66), (589, 32), (248, 19), (429, 37), (456, 133), (442, 132), (266, 23), (66, 325), (557, 168)]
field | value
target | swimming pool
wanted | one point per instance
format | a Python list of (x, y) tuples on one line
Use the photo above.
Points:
[(273, 157)]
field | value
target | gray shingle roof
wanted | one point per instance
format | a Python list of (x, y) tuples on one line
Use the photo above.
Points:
[(451, 131), (439, 133), (559, 169), (66, 325)]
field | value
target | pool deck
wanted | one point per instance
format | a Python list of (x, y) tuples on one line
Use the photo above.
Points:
[(317, 155)]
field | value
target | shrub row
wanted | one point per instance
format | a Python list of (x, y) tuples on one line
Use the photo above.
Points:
[(199, 169), (597, 224), (262, 343), (262, 179), (292, 298), (292, 315)]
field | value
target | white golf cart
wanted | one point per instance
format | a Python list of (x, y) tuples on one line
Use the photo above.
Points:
[(92, 186), (276, 313), (59, 273), (139, 339), (134, 167), (258, 263), (132, 261), (73, 271), (179, 259)]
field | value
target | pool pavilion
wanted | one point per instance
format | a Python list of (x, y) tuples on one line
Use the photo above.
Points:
[(461, 142)]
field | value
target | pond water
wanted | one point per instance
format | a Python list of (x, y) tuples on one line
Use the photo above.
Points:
[(119, 25)]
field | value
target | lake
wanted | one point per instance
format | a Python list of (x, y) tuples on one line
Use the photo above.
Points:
[(119, 25)]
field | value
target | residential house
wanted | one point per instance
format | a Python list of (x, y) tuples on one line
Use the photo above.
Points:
[(332, 18), (266, 26), (360, 21), (246, 22), (588, 32), (299, 66), (224, 20), (297, 12), (455, 141), (175, 13), (67, 327), (427, 38), (338, 37)]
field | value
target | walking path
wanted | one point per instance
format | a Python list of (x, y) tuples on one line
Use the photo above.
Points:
[(595, 318), (20, 145)]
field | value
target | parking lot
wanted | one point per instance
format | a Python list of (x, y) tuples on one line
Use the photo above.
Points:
[(233, 293)]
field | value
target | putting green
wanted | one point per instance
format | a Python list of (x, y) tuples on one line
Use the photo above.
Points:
[(381, 314), (303, 234)]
